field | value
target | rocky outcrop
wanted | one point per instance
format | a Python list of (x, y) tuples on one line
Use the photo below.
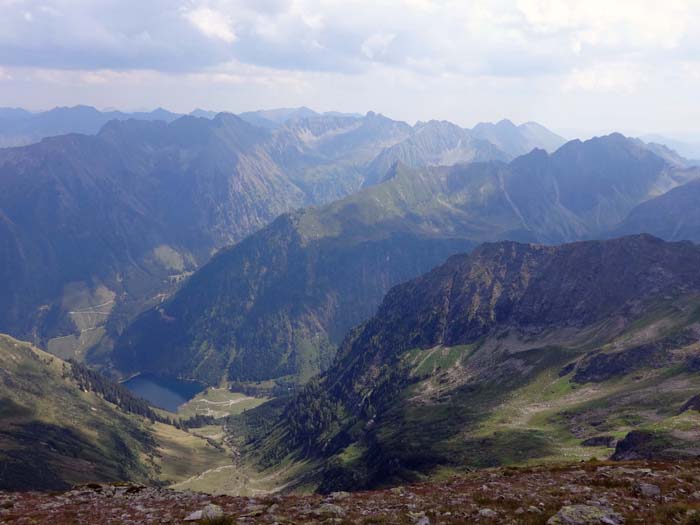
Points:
[(600, 366), (692, 404), (586, 515), (663, 445)]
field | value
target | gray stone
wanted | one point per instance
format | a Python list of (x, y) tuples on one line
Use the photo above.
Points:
[(210, 511), (585, 515), (330, 509), (488, 513), (648, 490)]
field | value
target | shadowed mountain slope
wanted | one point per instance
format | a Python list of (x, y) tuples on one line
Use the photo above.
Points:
[(511, 353), (90, 222), (674, 215), (54, 434)]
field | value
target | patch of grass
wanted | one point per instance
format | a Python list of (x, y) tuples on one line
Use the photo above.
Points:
[(183, 454), (218, 403), (48, 422), (429, 361), (682, 513), (351, 453)]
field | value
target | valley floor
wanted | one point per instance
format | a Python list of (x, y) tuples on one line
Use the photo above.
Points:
[(601, 492)]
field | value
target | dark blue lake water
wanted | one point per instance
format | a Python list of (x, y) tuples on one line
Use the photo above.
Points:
[(163, 392)]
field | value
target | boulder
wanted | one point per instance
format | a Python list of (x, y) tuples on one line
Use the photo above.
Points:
[(648, 490), (585, 515), (691, 404), (210, 511), (329, 509)]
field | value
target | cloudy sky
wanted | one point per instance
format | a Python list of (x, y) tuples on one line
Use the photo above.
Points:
[(597, 65)]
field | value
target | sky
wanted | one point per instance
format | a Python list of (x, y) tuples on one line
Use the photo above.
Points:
[(593, 65)]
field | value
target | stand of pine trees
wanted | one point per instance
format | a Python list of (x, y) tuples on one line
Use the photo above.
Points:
[(90, 381)]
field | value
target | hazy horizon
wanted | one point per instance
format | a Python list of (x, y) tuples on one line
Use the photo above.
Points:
[(595, 66)]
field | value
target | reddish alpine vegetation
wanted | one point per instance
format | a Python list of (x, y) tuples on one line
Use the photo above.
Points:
[(592, 492)]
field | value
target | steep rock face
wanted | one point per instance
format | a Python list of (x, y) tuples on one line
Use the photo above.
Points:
[(657, 445), (438, 376), (531, 288)]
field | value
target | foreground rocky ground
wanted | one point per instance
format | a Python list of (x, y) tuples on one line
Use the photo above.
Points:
[(586, 493)]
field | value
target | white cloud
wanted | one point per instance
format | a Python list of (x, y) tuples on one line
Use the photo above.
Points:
[(602, 23), (213, 24), (412, 58), (607, 78), (377, 45)]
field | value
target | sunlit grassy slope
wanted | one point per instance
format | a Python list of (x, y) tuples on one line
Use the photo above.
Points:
[(54, 435)]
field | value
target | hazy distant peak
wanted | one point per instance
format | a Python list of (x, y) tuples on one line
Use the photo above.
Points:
[(199, 112), (536, 155), (506, 123)]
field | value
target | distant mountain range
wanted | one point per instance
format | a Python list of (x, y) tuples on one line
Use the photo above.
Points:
[(687, 149), (277, 304), (511, 354), (276, 118), (101, 222), (19, 127)]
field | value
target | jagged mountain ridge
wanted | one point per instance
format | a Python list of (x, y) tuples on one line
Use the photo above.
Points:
[(327, 154), (489, 359), (441, 143), (434, 144), (518, 140), (19, 127), (294, 288)]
